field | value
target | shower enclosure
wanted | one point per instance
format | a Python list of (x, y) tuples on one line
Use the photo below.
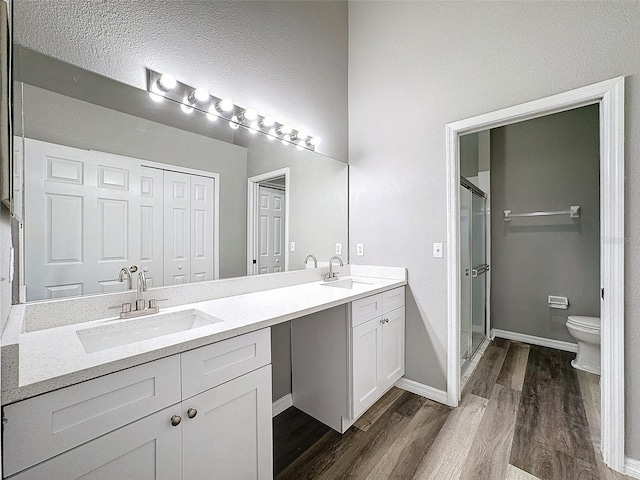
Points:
[(473, 266)]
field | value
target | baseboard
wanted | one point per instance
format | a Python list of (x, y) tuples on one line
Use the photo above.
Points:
[(422, 390), (533, 340), (632, 467), (282, 404)]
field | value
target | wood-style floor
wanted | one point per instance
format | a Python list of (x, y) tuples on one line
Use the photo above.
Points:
[(525, 414)]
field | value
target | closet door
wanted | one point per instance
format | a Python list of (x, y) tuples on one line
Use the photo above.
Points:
[(177, 228), (202, 228), (151, 221)]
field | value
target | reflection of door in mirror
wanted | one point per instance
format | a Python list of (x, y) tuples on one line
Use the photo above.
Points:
[(88, 214), (271, 228)]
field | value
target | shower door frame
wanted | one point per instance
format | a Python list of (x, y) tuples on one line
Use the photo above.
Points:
[(609, 94)]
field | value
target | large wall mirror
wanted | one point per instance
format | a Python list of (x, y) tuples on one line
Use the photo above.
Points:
[(113, 179)]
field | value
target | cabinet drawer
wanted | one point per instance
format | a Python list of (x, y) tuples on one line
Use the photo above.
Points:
[(366, 309), (207, 367), (40, 427), (392, 299)]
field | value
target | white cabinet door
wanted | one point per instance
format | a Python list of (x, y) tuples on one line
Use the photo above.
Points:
[(230, 435), (392, 347), (146, 449), (367, 345)]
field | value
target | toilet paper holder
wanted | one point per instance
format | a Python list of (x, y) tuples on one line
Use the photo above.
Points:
[(558, 302)]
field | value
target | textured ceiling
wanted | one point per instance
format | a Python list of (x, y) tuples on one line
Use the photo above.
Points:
[(284, 58)]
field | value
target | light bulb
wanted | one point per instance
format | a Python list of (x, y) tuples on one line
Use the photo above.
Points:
[(234, 122), (315, 141), (268, 121), (272, 134), (254, 127), (250, 114), (155, 97), (212, 114), (201, 94), (286, 140), (167, 82), (285, 129), (303, 134), (226, 105), (301, 145), (185, 105)]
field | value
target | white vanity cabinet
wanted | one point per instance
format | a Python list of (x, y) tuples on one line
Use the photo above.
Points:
[(205, 413), (343, 360), (377, 333)]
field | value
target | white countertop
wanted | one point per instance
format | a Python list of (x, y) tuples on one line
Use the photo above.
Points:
[(53, 358)]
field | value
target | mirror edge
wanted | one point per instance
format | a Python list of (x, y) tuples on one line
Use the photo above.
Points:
[(6, 102)]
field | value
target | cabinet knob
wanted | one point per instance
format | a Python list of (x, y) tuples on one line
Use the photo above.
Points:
[(192, 412), (179, 267), (384, 320), (175, 420)]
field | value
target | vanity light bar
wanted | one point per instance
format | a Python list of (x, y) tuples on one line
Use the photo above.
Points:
[(161, 86)]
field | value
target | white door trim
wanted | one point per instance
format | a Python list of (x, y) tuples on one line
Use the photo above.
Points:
[(610, 96), (252, 216)]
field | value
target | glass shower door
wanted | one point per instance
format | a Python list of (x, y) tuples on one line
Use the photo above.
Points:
[(479, 269), (473, 268)]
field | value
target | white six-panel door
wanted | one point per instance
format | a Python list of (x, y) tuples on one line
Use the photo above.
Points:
[(271, 223), (82, 220)]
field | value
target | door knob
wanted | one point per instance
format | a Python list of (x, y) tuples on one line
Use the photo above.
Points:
[(192, 412), (175, 420)]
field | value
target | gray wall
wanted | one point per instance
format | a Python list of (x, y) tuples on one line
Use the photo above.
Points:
[(288, 59), (466, 59), (548, 163), (55, 118), (469, 161)]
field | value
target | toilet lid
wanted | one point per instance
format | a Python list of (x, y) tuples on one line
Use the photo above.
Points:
[(591, 322)]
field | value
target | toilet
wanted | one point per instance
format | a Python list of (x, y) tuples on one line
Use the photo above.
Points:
[(586, 331)]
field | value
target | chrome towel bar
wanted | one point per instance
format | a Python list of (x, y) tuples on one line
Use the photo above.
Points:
[(573, 212)]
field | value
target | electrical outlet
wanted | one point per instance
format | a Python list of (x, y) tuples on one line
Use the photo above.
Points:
[(338, 249), (293, 246), (360, 249), (437, 250)]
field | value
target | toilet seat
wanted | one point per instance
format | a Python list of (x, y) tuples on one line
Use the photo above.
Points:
[(590, 323)]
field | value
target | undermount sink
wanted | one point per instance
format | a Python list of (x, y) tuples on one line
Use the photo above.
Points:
[(105, 337), (347, 283)]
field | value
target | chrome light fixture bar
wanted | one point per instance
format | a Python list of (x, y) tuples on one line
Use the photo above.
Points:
[(164, 86)]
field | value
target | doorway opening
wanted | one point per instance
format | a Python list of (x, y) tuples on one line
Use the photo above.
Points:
[(609, 95), (268, 222)]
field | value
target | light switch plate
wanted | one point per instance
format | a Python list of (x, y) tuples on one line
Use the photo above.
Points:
[(437, 250), (293, 246), (338, 249), (360, 249)]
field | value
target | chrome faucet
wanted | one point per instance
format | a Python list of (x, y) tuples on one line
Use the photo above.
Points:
[(141, 306), (141, 288), (125, 271), (331, 276), (312, 257)]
